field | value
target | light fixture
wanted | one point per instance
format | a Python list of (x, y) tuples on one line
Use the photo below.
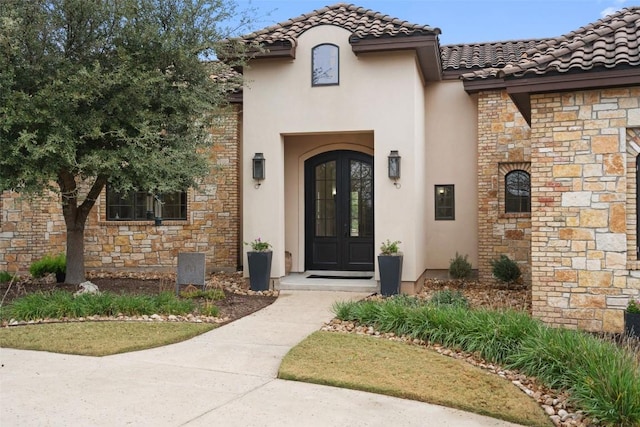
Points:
[(149, 206), (394, 167), (258, 168), (157, 210)]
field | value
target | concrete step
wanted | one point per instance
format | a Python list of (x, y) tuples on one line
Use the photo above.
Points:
[(302, 282)]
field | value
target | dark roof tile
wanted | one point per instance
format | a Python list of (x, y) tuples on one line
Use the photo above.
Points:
[(363, 23), (607, 43)]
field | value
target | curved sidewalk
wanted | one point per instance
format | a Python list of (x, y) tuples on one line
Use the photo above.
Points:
[(224, 377)]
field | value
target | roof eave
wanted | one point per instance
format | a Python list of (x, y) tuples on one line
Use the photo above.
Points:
[(426, 47), (520, 89), (284, 49)]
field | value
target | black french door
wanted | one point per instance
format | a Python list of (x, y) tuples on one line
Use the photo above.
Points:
[(339, 211)]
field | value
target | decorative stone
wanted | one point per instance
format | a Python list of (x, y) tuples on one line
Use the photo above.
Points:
[(604, 144), (87, 288), (567, 171)]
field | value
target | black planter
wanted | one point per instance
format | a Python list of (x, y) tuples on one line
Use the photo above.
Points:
[(632, 324), (60, 277), (390, 274), (259, 270)]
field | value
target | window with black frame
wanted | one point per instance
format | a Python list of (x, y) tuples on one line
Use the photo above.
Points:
[(517, 192), (141, 206), (445, 202)]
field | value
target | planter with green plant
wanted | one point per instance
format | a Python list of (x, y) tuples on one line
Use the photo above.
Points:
[(50, 264), (390, 266), (259, 259), (632, 318)]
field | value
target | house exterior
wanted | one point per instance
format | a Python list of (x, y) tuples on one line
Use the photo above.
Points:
[(526, 148)]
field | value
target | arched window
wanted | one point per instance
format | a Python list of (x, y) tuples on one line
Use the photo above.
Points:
[(517, 192), (325, 65)]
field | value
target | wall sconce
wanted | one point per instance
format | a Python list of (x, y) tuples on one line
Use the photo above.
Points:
[(258, 168), (149, 206), (157, 210), (394, 167)]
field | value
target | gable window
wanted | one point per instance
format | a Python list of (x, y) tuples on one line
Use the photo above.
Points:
[(140, 206), (325, 65), (445, 202), (517, 192)]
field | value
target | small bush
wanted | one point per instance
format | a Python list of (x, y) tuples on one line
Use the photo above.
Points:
[(208, 294), (209, 309), (48, 264), (505, 269), (460, 268), (449, 297), (6, 277)]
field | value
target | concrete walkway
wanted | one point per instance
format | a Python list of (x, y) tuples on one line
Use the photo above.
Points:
[(224, 377)]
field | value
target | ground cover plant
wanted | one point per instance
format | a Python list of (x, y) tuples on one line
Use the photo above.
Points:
[(224, 300), (61, 304), (413, 372), (602, 378)]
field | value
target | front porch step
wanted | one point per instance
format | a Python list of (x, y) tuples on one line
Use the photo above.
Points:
[(301, 282)]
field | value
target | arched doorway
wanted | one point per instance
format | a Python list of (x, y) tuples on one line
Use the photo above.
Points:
[(339, 211)]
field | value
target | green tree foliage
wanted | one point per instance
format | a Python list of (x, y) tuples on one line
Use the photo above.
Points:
[(117, 91)]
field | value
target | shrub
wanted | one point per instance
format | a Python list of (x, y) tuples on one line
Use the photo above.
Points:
[(209, 309), (208, 294), (48, 264), (460, 268), (505, 269), (449, 297), (6, 277)]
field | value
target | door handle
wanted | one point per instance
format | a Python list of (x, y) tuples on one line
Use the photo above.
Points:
[(346, 230)]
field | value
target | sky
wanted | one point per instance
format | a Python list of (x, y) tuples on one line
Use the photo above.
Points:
[(461, 21)]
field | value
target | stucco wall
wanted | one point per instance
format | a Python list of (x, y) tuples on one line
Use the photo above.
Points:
[(450, 158), (279, 101), (582, 142)]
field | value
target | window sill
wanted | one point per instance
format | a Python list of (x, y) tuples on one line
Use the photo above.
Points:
[(150, 223), (515, 215)]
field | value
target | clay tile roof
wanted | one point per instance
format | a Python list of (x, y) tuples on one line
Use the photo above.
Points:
[(483, 55), (363, 23), (604, 44)]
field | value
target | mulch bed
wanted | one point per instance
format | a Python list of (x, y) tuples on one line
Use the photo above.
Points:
[(239, 301)]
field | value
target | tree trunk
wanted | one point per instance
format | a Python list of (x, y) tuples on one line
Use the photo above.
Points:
[(75, 218), (75, 255)]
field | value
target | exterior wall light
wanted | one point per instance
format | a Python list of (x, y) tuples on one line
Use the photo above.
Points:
[(157, 210), (149, 206), (394, 167), (258, 168)]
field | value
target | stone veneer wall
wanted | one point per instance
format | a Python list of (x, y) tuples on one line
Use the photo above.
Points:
[(580, 258), (32, 229), (29, 229), (503, 146)]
